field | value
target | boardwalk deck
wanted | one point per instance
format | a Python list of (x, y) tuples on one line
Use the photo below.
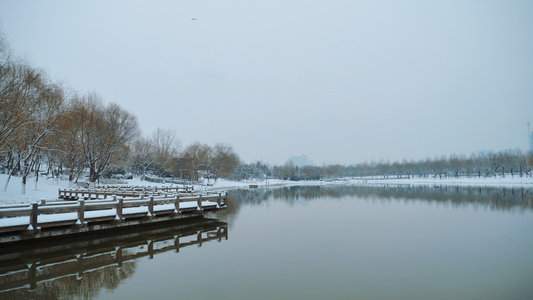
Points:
[(57, 218), (122, 191)]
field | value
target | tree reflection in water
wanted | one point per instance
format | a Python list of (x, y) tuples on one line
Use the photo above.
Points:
[(83, 267), (516, 199), (71, 286), (63, 283)]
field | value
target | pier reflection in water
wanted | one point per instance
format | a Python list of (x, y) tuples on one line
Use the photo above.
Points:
[(83, 267)]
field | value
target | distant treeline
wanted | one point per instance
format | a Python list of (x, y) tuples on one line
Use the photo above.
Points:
[(516, 199), (504, 163)]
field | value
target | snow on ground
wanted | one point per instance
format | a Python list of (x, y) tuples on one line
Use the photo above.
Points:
[(48, 188), (45, 189), (507, 181)]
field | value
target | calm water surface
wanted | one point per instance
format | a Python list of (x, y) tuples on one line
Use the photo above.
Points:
[(318, 243)]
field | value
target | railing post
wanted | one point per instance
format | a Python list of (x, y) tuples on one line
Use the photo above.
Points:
[(120, 206), (200, 202), (151, 206), (81, 212), (33, 216), (178, 203), (219, 199)]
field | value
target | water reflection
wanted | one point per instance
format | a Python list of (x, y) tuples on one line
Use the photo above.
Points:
[(83, 267), (339, 242), (493, 198)]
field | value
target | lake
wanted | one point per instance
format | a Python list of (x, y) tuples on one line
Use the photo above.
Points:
[(325, 242)]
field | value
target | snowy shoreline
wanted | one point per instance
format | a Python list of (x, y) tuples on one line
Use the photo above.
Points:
[(48, 188)]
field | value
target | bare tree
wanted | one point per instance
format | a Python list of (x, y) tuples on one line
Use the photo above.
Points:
[(520, 160), (166, 146), (32, 114), (18, 95), (196, 157), (48, 108), (68, 147), (29, 110), (223, 160), (104, 133), (142, 155)]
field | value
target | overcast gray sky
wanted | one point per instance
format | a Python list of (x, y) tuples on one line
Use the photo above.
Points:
[(341, 81)]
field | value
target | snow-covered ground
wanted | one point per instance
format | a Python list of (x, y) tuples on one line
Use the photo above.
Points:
[(507, 181), (48, 188)]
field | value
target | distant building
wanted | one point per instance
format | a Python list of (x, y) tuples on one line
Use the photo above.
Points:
[(301, 161)]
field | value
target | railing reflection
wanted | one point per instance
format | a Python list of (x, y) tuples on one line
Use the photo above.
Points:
[(112, 258)]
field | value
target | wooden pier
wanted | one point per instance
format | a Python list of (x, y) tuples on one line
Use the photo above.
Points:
[(104, 211), (24, 268), (102, 192)]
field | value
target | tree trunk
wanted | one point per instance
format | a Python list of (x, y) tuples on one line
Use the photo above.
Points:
[(37, 168), (24, 183), (7, 181), (36, 178), (93, 176)]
